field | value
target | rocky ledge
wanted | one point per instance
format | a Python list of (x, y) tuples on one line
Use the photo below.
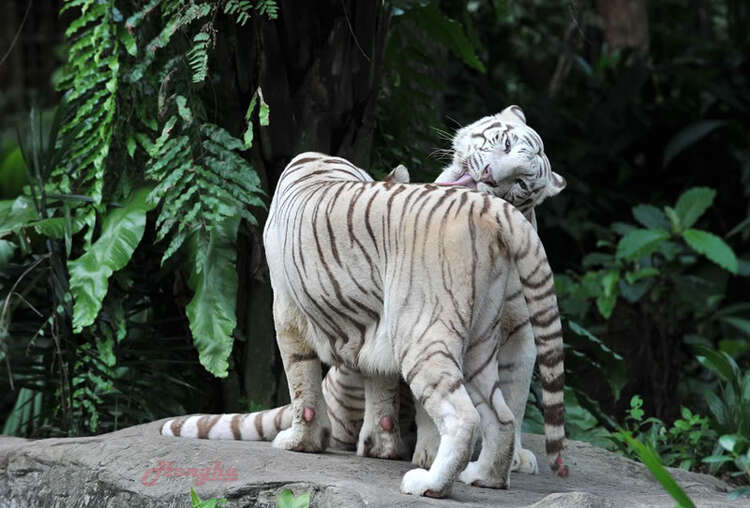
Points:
[(138, 467)]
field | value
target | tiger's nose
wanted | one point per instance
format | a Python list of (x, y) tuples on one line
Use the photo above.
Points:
[(487, 176)]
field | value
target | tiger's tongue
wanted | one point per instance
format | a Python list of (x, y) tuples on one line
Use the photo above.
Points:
[(464, 180)]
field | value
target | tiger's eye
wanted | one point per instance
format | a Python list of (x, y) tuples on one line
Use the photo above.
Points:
[(507, 145), (522, 184)]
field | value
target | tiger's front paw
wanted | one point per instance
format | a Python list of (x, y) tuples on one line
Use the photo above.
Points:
[(524, 461), (382, 442), (475, 475), (419, 482), (303, 438)]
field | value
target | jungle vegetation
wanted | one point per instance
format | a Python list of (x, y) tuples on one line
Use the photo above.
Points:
[(141, 140)]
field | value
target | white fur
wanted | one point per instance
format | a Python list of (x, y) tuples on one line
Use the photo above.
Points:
[(190, 427)]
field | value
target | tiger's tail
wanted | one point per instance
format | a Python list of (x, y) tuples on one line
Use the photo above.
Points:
[(539, 292), (257, 426)]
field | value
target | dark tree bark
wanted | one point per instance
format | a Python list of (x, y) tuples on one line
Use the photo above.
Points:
[(319, 66)]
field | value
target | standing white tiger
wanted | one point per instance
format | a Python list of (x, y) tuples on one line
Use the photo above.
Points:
[(501, 155), (408, 280)]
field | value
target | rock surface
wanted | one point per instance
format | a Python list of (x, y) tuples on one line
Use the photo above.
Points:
[(119, 470)]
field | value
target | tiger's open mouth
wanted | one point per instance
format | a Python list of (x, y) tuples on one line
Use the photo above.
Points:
[(466, 180)]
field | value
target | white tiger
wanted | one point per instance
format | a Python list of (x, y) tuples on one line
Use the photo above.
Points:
[(408, 280), (501, 155)]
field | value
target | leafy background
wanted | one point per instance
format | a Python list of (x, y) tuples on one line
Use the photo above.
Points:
[(141, 140)]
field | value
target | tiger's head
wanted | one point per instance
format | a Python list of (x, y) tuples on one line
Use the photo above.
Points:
[(501, 155)]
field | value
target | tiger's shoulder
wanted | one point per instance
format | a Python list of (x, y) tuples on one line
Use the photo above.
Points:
[(307, 165)]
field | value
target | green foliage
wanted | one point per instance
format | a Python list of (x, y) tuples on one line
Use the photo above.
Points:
[(242, 9), (408, 125), (28, 407), (90, 83), (637, 243), (651, 460), (287, 499), (734, 448), (691, 205), (730, 407), (213, 278), (656, 273), (595, 353), (132, 133), (713, 247), (446, 31), (122, 230), (200, 179), (16, 214), (682, 445), (649, 262), (12, 172), (197, 502)]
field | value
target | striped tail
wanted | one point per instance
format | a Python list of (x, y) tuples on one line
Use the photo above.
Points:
[(539, 291), (258, 426)]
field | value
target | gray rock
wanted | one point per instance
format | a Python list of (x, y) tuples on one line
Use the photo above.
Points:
[(118, 470), (573, 500)]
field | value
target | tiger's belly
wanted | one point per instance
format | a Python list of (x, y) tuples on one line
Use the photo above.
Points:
[(365, 346)]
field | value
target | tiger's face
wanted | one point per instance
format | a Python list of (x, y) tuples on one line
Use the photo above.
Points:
[(501, 155)]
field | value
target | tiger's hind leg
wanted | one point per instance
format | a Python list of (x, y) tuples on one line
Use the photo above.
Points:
[(344, 393), (311, 428), (492, 467), (516, 367), (428, 438), (380, 436), (436, 380)]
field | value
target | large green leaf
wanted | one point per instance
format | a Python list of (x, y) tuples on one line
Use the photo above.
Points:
[(719, 362), (640, 242), (213, 277), (606, 301), (689, 135), (122, 230), (12, 174), (25, 412), (6, 253), (651, 217), (16, 214), (713, 247), (692, 204), (740, 323)]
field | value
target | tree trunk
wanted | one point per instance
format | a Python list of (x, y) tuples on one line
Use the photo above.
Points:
[(319, 67)]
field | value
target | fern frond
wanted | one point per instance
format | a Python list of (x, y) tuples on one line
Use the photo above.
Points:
[(198, 57), (90, 82), (241, 10), (268, 8)]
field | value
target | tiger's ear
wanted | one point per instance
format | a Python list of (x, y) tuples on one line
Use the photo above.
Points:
[(513, 114), (399, 175), (557, 183)]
